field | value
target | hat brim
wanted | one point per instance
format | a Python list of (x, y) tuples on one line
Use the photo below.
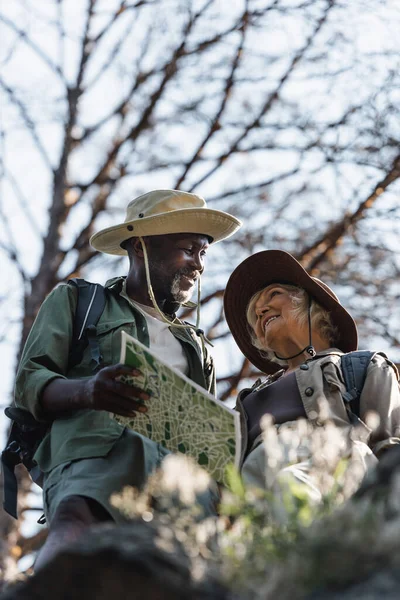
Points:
[(276, 266), (216, 224)]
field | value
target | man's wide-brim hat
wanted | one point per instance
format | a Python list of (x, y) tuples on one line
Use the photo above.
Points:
[(162, 212), (276, 266)]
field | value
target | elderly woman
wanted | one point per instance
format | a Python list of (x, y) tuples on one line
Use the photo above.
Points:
[(292, 327)]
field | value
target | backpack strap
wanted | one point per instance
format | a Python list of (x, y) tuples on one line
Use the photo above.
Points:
[(10, 457), (25, 436), (89, 308), (354, 367)]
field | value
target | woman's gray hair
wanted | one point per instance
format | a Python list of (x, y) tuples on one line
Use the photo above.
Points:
[(320, 319)]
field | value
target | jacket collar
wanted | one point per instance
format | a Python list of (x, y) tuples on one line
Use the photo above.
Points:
[(327, 352), (261, 382), (115, 281)]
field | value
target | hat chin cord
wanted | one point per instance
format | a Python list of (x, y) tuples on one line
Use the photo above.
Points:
[(196, 327), (310, 348)]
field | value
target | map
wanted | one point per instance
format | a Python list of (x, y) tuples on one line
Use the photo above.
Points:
[(182, 416)]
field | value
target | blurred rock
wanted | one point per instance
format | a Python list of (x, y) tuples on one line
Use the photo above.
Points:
[(379, 479), (140, 560), (380, 586)]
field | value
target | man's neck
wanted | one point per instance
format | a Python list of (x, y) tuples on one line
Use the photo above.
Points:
[(140, 294)]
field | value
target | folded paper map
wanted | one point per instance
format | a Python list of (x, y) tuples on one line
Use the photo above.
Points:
[(182, 416)]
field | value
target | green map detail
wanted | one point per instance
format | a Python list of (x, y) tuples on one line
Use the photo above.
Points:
[(132, 359), (203, 459), (231, 446), (181, 416), (150, 360)]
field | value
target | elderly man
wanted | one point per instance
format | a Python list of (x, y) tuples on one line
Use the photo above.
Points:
[(86, 455)]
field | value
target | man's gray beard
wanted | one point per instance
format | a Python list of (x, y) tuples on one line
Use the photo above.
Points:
[(180, 296), (177, 295)]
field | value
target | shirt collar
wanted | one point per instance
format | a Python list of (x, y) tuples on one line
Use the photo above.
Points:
[(330, 351), (115, 281)]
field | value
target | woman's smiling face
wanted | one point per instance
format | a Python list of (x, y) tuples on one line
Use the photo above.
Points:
[(275, 320)]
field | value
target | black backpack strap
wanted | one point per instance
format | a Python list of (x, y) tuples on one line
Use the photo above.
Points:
[(10, 457), (354, 369), (25, 436), (90, 305)]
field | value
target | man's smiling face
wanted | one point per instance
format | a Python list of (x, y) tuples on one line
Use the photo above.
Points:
[(176, 261)]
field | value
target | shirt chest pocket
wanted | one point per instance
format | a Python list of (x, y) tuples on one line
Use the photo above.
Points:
[(108, 341)]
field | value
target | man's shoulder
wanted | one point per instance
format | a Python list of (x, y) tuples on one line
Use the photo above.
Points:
[(71, 286), (62, 293)]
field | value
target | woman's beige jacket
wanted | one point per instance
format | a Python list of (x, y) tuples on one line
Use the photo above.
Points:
[(320, 380)]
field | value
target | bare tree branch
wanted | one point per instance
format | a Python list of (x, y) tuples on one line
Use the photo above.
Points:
[(235, 379), (271, 97), (229, 83), (51, 258), (314, 254), (30, 125), (36, 49)]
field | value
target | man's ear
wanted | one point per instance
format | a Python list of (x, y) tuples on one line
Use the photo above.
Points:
[(137, 246), (130, 245)]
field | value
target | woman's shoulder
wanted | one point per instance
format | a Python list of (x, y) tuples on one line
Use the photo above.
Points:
[(369, 361), (379, 360)]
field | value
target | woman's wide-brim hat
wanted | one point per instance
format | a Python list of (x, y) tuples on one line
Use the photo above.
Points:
[(276, 266), (163, 212)]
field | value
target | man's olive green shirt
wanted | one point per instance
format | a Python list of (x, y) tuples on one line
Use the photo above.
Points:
[(87, 433)]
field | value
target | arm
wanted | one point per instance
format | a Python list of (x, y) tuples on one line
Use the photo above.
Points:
[(101, 392), (42, 386), (381, 394)]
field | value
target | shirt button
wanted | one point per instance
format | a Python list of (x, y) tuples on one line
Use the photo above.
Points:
[(304, 367), (309, 391)]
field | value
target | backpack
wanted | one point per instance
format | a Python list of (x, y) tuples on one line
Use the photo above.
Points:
[(26, 433), (354, 367)]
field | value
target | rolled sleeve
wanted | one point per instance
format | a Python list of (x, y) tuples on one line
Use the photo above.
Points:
[(46, 352), (381, 394)]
